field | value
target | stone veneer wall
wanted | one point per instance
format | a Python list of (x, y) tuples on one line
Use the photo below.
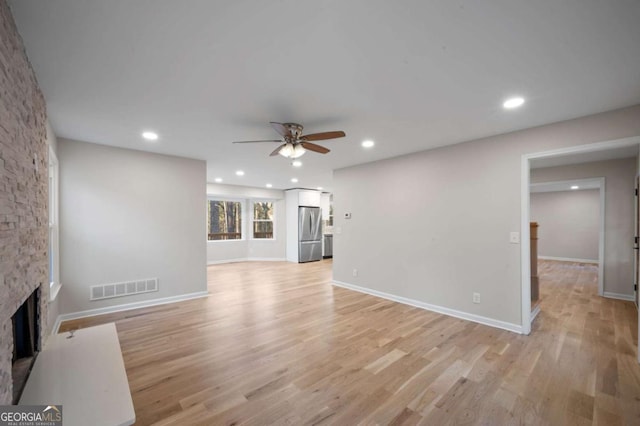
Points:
[(23, 191)]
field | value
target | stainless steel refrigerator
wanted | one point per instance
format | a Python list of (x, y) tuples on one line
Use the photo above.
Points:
[(309, 234)]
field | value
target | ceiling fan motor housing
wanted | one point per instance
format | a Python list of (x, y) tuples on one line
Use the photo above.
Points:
[(295, 131)]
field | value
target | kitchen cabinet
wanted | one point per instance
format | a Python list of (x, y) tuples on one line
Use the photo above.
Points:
[(308, 198), (325, 205)]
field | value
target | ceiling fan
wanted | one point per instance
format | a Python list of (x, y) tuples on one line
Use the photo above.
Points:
[(295, 143)]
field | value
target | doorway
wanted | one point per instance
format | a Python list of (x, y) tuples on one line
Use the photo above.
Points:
[(570, 215), (573, 155)]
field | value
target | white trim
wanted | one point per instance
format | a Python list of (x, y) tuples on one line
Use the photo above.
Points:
[(54, 289), (252, 219), (127, 307), (219, 262), (569, 259), (53, 205), (247, 259), (619, 296), (434, 308), (535, 312), (525, 267), (603, 200), (266, 259), (525, 248), (56, 325)]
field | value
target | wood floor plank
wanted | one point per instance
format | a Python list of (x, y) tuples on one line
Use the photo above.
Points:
[(275, 343)]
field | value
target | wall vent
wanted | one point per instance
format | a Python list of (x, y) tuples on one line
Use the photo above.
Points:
[(126, 288)]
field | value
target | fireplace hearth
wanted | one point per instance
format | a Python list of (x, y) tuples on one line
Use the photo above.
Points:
[(26, 342)]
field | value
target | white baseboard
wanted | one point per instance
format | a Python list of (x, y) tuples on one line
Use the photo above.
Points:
[(434, 308), (126, 307), (569, 259), (247, 259), (628, 297), (56, 325), (267, 259), (535, 313), (219, 262)]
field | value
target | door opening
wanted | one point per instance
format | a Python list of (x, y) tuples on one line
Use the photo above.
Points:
[(623, 148)]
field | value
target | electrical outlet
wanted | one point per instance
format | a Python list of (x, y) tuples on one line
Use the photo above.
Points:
[(514, 238), (476, 297), (355, 272)]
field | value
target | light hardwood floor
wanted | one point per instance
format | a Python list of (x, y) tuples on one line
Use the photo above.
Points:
[(275, 343)]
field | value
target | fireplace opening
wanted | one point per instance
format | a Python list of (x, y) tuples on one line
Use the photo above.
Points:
[(26, 342)]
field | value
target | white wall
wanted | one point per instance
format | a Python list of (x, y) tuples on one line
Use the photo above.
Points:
[(129, 215), (619, 184), (569, 223), (247, 249), (434, 226)]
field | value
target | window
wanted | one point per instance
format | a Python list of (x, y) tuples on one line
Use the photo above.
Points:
[(263, 220), (224, 220)]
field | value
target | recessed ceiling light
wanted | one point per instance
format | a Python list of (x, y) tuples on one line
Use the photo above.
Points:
[(240, 173), (575, 187), (294, 180), (513, 103), (368, 143), (297, 163), (218, 180), (269, 185), (150, 136), (319, 188)]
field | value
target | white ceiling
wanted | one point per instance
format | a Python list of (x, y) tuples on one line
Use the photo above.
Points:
[(562, 186), (410, 75)]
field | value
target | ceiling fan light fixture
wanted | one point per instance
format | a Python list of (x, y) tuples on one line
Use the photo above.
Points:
[(286, 150), (292, 151), (298, 151)]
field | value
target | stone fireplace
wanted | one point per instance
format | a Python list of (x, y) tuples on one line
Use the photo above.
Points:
[(24, 226), (25, 324)]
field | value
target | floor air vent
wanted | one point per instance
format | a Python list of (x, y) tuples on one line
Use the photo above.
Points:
[(127, 288)]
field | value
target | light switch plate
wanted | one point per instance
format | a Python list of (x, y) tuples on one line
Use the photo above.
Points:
[(514, 238)]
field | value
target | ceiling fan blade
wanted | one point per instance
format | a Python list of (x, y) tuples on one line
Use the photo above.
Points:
[(277, 150), (315, 148), (323, 136), (273, 140), (281, 129)]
